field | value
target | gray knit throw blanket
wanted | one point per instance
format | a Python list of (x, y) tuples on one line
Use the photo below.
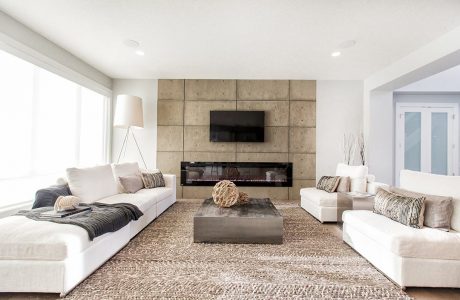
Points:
[(102, 218)]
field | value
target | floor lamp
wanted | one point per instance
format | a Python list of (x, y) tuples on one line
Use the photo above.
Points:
[(128, 114)]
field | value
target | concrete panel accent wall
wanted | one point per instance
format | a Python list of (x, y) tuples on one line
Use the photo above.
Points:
[(290, 133)]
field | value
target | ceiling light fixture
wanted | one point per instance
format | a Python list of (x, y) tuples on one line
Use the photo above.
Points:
[(335, 54), (140, 52), (347, 44), (131, 43)]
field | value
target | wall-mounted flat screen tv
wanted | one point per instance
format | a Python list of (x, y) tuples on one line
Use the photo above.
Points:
[(237, 126)]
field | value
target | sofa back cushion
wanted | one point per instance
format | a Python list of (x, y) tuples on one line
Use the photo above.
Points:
[(432, 184), (92, 184), (405, 210), (351, 171), (124, 170)]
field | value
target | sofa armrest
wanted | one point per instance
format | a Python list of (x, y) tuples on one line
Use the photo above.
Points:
[(373, 186), (170, 180)]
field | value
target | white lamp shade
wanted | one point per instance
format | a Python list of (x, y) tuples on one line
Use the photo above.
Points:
[(128, 112)]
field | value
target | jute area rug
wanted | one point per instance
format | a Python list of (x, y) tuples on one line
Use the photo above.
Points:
[(163, 262)]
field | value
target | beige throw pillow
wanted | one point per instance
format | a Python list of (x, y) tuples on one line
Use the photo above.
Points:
[(131, 184), (438, 209), (344, 184)]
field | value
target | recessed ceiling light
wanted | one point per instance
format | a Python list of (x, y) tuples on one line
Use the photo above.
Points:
[(347, 44), (335, 54), (140, 52), (131, 43)]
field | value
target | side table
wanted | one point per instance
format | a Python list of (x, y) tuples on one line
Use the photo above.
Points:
[(353, 201)]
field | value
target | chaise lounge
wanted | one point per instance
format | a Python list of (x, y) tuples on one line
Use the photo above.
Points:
[(38, 256)]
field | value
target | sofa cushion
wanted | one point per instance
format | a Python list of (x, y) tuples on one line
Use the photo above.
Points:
[(438, 209), (351, 171), (143, 199), (403, 240), (160, 192), (92, 184), (358, 184), (435, 185), (24, 239), (319, 197), (405, 210)]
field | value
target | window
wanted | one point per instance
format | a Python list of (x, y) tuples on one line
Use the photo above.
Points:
[(47, 123)]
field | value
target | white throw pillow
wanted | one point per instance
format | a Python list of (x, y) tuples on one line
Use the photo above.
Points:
[(124, 170), (92, 184), (358, 185), (351, 171)]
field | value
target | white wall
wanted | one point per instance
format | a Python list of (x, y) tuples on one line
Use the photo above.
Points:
[(381, 136), (339, 111), (146, 137), (21, 41), (446, 81)]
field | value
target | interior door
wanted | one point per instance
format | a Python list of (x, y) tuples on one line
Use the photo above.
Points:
[(427, 138)]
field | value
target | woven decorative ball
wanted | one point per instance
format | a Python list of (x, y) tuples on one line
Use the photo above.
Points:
[(243, 198), (225, 193), (66, 203)]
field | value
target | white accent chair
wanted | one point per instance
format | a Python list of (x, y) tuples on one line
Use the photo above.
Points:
[(323, 205), (410, 257)]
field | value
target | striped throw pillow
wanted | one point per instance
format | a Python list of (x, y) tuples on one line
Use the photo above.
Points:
[(403, 209), (328, 183), (153, 180)]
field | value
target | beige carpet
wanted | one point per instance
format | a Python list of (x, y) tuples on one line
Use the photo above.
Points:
[(163, 262)]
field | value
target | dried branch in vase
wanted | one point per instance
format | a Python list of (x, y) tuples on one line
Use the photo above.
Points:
[(361, 148), (349, 148)]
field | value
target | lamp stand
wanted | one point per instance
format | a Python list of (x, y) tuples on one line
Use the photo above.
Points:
[(125, 145)]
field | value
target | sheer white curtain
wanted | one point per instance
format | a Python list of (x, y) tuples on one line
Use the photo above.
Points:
[(47, 123)]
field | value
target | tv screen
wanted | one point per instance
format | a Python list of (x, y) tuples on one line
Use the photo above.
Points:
[(237, 126)]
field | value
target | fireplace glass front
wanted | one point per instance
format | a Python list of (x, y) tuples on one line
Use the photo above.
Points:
[(241, 173)]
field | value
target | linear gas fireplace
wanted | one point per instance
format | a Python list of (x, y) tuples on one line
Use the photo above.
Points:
[(241, 173)]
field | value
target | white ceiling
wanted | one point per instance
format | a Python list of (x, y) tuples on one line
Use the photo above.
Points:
[(269, 39)]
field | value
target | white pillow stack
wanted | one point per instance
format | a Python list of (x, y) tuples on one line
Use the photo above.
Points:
[(92, 184), (358, 176)]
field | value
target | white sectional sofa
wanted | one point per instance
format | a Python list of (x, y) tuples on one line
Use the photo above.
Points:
[(410, 257), (40, 256), (323, 205)]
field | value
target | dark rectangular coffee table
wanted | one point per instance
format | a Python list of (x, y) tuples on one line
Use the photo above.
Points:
[(257, 222)]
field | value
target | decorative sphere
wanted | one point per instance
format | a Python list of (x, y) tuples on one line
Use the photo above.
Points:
[(225, 193)]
